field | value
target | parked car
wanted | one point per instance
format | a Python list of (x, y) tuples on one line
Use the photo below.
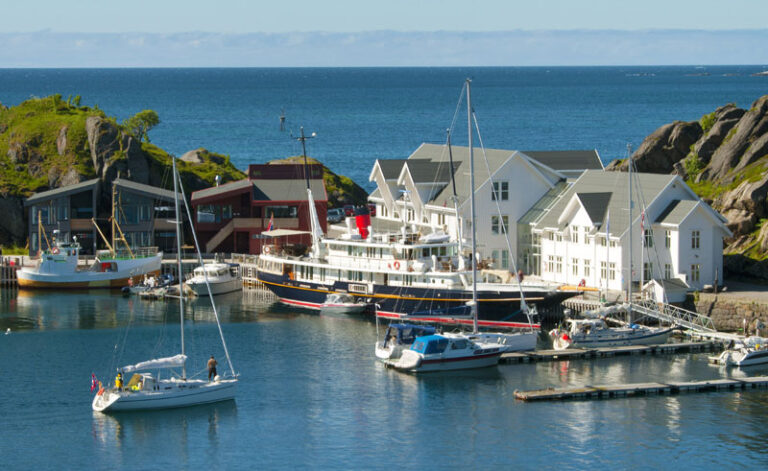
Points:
[(349, 210), (372, 209), (335, 215)]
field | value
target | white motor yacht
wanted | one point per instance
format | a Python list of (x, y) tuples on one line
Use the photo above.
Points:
[(222, 278)]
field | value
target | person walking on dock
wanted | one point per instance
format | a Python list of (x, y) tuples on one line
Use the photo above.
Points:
[(212, 368)]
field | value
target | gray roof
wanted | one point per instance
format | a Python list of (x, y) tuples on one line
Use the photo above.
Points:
[(390, 168), (567, 159), (599, 181), (60, 192), (221, 189), (287, 190), (146, 190), (426, 171), (676, 212), (540, 209), (595, 204)]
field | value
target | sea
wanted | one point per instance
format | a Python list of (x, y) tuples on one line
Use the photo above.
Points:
[(311, 394)]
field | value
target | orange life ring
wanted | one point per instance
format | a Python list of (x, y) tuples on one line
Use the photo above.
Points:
[(397, 265), (266, 250)]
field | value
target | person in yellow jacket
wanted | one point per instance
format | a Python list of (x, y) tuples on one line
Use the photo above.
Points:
[(119, 381)]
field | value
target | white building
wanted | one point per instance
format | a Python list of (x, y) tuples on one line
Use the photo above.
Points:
[(419, 190), (683, 237)]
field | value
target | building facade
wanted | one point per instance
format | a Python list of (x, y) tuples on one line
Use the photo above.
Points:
[(146, 215), (232, 217)]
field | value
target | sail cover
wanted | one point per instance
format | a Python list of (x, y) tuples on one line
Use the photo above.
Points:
[(168, 362)]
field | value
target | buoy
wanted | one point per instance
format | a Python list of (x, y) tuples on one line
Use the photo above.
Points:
[(397, 265)]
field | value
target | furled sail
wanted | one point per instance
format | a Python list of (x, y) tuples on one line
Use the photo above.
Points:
[(167, 362)]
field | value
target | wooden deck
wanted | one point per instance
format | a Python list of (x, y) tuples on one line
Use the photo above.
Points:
[(610, 391)]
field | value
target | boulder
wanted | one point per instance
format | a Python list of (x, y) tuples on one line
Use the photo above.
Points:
[(667, 146), (194, 156), (17, 153), (752, 125), (61, 141), (708, 144)]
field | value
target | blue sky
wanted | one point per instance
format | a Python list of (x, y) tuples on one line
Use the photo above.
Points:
[(48, 33)]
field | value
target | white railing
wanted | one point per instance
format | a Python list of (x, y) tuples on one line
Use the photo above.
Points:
[(675, 315)]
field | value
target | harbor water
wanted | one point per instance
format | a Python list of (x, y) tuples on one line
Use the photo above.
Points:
[(313, 396)]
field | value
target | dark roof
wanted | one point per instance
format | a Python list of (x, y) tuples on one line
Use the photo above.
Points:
[(567, 159), (60, 192), (676, 212), (595, 204), (232, 187), (287, 190), (146, 190), (391, 168), (425, 171)]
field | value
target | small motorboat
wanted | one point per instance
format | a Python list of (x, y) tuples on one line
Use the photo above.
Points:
[(443, 352), (595, 333), (399, 337), (342, 303), (222, 278), (748, 352), (147, 284)]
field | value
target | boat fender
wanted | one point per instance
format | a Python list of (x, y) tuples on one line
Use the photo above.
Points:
[(266, 250), (397, 265)]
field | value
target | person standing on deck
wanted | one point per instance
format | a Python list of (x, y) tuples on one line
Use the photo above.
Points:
[(212, 368)]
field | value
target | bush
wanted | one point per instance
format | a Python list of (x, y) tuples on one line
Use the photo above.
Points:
[(707, 121)]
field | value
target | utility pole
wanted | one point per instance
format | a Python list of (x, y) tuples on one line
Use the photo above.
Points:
[(303, 140)]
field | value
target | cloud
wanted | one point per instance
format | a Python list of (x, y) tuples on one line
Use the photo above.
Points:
[(384, 48)]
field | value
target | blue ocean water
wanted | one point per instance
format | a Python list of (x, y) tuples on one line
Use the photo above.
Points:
[(361, 114), (312, 396)]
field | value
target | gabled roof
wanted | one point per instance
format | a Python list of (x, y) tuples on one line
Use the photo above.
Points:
[(61, 192), (615, 183), (567, 159), (425, 171), (391, 168), (595, 204), (146, 190), (676, 212), (239, 186), (287, 190)]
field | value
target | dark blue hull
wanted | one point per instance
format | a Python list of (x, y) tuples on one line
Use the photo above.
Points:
[(437, 305)]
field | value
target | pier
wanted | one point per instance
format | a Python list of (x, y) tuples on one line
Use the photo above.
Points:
[(584, 354), (610, 391), (8, 267)]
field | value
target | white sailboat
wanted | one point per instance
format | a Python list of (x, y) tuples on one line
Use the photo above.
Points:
[(455, 351), (146, 389)]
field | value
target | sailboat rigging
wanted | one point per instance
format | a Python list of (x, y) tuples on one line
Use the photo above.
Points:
[(146, 389)]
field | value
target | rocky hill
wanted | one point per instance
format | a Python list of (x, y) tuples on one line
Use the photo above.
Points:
[(724, 157)]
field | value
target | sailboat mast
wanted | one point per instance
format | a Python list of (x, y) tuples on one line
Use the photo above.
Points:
[(472, 205), (459, 232), (178, 260), (629, 281)]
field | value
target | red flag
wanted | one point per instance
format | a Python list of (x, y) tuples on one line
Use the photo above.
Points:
[(271, 222), (94, 382)]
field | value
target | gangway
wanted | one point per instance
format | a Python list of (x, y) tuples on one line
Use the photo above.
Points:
[(699, 325)]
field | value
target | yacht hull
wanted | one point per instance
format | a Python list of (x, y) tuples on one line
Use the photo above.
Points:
[(655, 336), (195, 393), (219, 287), (495, 308), (128, 269)]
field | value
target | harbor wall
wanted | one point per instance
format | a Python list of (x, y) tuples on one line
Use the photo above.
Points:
[(731, 313)]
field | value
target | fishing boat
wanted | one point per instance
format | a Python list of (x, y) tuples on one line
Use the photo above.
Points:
[(340, 303), (595, 333), (222, 278), (155, 383), (399, 337), (747, 352)]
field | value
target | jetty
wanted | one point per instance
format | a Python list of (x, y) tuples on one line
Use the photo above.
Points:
[(590, 353), (8, 268), (610, 391)]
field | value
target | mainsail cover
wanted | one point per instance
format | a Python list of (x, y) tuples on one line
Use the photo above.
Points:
[(167, 362)]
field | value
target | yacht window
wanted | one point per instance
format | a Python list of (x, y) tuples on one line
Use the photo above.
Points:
[(459, 344)]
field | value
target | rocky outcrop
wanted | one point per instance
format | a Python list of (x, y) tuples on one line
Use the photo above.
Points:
[(666, 146), (61, 141), (733, 154)]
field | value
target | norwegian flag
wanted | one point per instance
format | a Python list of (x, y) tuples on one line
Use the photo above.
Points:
[(94, 382), (271, 224)]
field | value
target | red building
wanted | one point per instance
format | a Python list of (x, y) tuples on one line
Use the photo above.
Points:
[(231, 217)]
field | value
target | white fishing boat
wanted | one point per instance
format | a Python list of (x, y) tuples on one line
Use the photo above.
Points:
[(155, 384), (222, 278), (399, 337), (595, 333), (747, 352), (341, 303)]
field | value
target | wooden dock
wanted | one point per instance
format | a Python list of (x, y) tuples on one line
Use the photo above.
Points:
[(580, 354), (611, 391), (8, 268)]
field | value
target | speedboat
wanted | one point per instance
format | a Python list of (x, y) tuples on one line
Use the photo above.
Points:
[(595, 333), (341, 303), (445, 352), (222, 278), (748, 352), (399, 337)]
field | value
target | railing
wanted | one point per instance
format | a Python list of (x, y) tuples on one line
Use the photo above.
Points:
[(675, 315)]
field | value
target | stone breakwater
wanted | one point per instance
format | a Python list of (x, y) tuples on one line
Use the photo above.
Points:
[(730, 310)]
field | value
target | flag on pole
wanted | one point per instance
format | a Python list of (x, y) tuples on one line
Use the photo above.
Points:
[(271, 224), (94, 382)]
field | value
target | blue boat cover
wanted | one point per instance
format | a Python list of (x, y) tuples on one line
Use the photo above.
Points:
[(429, 344)]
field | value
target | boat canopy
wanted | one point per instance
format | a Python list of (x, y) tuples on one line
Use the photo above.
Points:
[(167, 362), (407, 333), (430, 344)]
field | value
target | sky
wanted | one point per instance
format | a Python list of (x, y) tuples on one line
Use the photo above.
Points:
[(49, 33)]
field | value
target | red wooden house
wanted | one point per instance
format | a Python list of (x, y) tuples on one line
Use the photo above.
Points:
[(231, 217)]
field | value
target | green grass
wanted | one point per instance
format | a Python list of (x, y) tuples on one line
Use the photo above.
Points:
[(707, 121)]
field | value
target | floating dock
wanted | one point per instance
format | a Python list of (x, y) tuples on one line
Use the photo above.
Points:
[(611, 391), (577, 353)]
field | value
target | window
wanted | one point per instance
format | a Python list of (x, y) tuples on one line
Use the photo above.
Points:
[(695, 272), (601, 241), (667, 271), (648, 239), (496, 226), (384, 211), (281, 211), (647, 270), (495, 257), (551, 235), (575, 234), (612, 271), (504, 259), (500, 188), (667, 239), (558, 237), (575, 266), (226, 211), (559, 264), (603, 270), (144, 214), (695, 239), (587, 268), (409, 214), (584, 231), (613, 243), (206, 213), (551, 263), (62, 213), (441, 219)]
